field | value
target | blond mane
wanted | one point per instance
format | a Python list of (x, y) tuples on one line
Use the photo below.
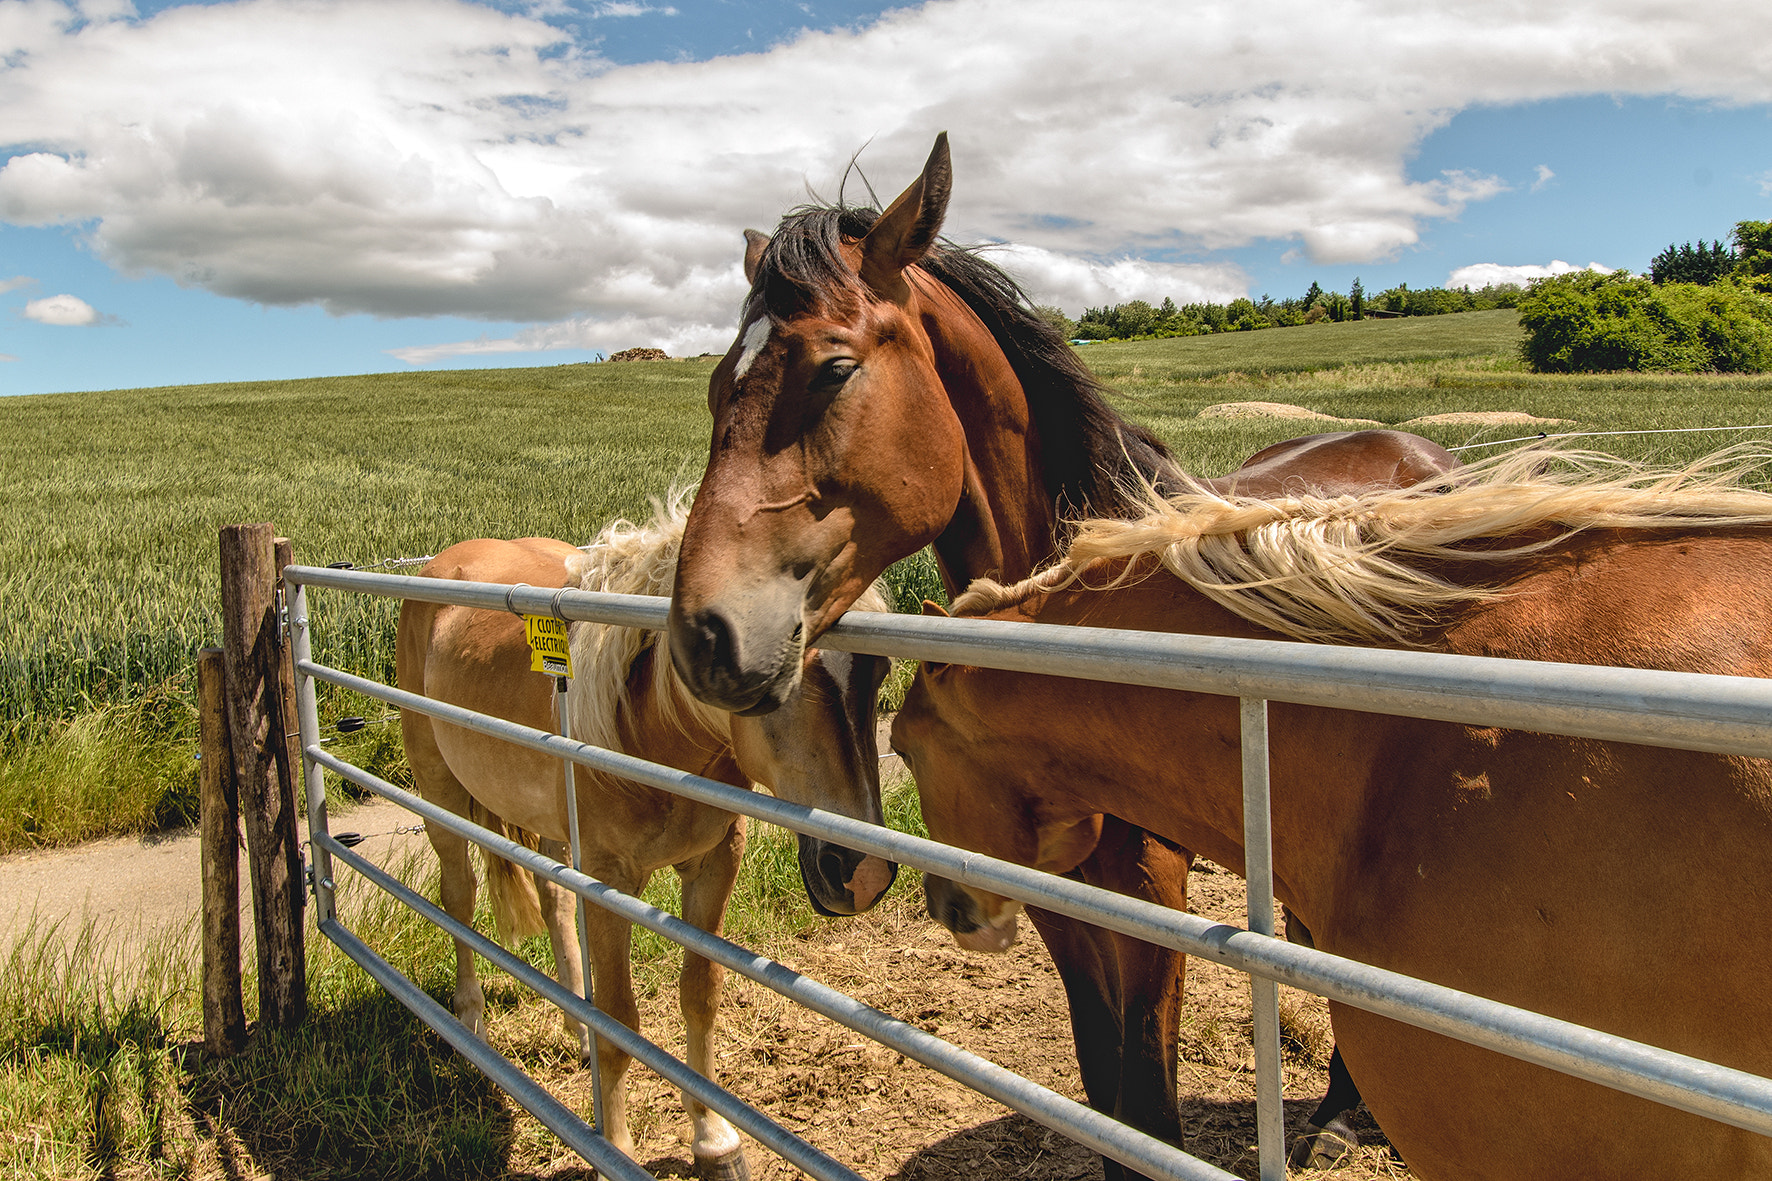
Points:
[(635, 559), (1352, 568)]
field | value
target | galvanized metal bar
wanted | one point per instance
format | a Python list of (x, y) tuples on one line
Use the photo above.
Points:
[(1264, 994), (1689, 711), (1090, 1128), (307, 714), (603, 1156), (564, 717), (764, 1130), (1676, 1080)]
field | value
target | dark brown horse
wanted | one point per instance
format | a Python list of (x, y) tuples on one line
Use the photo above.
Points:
[(887, 392), (1622, 887)]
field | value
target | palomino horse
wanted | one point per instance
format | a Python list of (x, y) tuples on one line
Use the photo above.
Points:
[(887, 391), (818, 749), (1622, 887)]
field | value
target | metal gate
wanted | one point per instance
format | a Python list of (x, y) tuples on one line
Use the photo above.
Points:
[(1724, 715)]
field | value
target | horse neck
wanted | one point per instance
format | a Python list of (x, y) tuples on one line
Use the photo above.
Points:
[(1005, 524)]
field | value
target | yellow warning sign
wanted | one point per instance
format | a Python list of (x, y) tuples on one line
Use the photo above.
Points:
[(549, 651)]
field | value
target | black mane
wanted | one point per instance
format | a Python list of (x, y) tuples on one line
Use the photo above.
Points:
[(1094, 459)]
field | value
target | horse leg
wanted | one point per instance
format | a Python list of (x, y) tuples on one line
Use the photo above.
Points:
[(559, 910), (1329, 1137), (707, 887), (610, 942), (1149, 980), (457, 888)]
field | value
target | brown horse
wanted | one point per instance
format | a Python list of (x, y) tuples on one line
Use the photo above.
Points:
[(818, 749), (1622, 887), (888, 391)]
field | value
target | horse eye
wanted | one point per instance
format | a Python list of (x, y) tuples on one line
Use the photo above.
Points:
[(832, 374)]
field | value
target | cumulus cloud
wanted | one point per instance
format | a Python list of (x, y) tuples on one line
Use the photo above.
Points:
[(65, 311), (1487, 274), (420, 157), (1544, 177)]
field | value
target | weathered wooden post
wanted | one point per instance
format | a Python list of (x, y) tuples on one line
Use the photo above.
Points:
[(258, 723), (283, 551), (224, 1017)]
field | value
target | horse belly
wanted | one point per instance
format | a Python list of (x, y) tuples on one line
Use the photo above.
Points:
[(1620, 887)]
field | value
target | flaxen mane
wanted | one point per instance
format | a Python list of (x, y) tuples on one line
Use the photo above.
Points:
[(1354, 568), (1091, 454), (631, 559)]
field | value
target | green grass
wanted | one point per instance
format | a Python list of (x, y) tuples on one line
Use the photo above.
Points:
[(1392, 371), (108, 579)]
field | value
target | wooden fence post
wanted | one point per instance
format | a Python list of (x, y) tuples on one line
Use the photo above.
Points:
[(258, 722), (283, 551), (224, 1017)]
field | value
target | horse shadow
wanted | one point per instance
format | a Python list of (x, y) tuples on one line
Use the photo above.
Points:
[(362, 1089), (1222, 1133)]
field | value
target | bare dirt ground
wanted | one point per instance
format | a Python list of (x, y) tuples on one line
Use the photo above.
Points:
[(887, 1117)]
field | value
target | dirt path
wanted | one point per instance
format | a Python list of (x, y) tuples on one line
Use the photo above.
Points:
[(143, 888)]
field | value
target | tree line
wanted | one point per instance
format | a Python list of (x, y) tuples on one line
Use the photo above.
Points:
[(1139, 320)]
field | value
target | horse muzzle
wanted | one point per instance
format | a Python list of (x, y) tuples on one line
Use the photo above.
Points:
[(732, 667), (840, 881), (957, 910)]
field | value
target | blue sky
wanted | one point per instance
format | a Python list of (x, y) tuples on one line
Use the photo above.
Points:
[(267, 188)]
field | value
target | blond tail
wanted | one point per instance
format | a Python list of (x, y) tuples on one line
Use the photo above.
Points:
[(516, 911)]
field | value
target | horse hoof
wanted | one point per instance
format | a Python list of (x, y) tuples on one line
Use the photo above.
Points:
[(731, 1167), (1325, 1147)]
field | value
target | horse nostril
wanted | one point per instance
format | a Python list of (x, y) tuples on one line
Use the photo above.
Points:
[(830, 866), (712, 640)]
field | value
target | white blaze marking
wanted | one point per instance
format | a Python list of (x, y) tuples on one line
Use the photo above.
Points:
[(755, 337)]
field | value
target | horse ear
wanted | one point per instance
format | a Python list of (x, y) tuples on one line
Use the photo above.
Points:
[(934, 608), (907, 229), (755, 241)]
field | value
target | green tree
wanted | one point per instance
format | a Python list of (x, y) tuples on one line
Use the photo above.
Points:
[(1061, 323), (1588, 322), (1703, 264), (1753, 254), (1356, 299)]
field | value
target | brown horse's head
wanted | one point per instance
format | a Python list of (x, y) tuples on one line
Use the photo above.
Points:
[(807, 498)]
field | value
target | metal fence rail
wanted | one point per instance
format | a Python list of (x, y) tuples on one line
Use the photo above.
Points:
[(1720, 714)]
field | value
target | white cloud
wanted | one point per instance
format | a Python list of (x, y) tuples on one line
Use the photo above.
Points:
[(1486, 274), (1545, 176), (1765, 182), (65, 311), (16, 282), (7, 357), (623, 8), (417, 157)]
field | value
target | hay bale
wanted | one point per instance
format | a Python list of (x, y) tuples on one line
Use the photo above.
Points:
[(640, 355)]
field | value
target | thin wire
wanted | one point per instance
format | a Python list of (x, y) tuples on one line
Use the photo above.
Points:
[(1672, 430), (395, 563)]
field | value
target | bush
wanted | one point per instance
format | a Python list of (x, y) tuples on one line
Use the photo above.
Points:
[(1586, 322)]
